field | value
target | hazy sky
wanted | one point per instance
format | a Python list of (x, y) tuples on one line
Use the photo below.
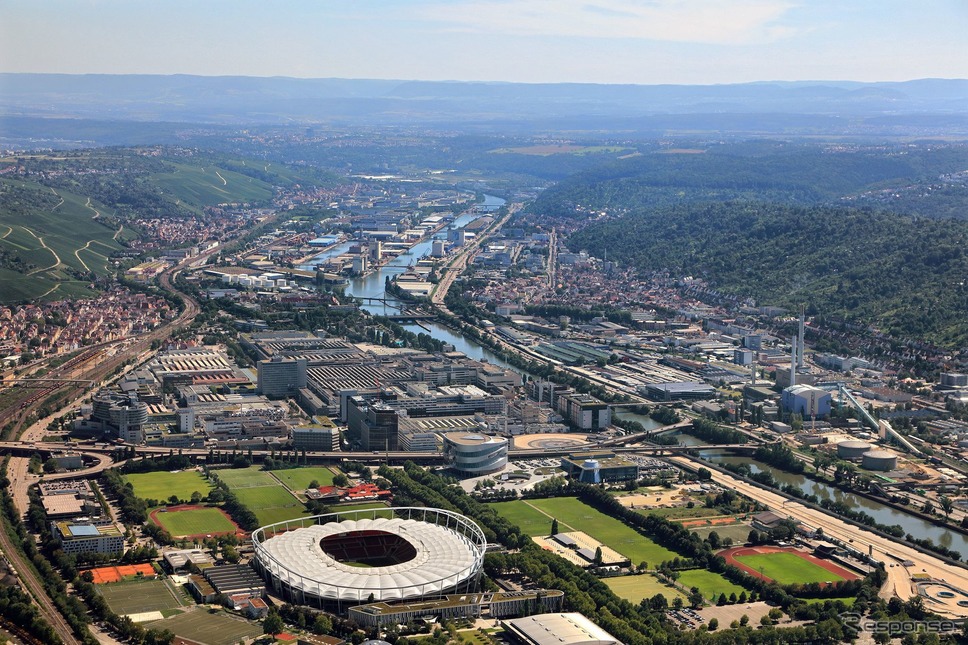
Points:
[(605, 41)]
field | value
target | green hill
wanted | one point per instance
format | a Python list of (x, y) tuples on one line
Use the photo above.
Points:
[(63, 215), (902, 179), (53, 243), (905, 275)]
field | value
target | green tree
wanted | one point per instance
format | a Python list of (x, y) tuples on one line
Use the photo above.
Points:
[(554, 526), (272, 624), (946, 506)]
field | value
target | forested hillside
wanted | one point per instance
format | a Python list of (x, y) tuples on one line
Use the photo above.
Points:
[(921, 180), (906, 275)]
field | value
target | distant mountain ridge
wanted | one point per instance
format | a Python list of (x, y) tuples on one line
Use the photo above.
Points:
[(275, 100)]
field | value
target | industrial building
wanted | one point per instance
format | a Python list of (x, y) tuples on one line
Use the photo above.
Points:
[(852, 450), (807, 401), (683, 391), (882, 460), (318, 437), (280, 377), (558, 629)]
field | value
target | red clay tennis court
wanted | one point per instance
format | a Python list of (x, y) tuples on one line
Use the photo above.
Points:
[(104, 575)]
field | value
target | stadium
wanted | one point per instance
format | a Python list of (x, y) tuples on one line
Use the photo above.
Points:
[(347, 558)]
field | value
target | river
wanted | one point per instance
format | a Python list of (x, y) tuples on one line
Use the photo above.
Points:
[(882, 514), (373, 286)]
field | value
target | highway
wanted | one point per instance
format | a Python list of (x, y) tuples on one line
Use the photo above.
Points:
[(900, 581), (457, 264)]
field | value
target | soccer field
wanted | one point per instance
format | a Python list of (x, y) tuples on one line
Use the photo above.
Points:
[(138, 596), (299, 478), (635, 588), (528, 519), (198, 521), (162, 485), (712, 585), (575, 515), (787, 568), (244, 477), (212, 629), (270, 503)]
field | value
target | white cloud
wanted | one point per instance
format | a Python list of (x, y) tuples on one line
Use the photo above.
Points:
[(719, 22)]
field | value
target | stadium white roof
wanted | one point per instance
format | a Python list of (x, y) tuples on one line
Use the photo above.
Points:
[(444, 558)]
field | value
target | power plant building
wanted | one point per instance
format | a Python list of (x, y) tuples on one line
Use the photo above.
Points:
[(807, 401)]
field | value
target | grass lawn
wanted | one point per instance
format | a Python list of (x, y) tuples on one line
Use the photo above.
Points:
[(245, 477), (680, 512), (213, 629), (528, 519), (299, 478), (138, 596), (816, 601), (280, 514), (787, 568), (710, 584), (195, 522), (162, 485), (270, 503), (635, 588), (607, 530), (386, 512)]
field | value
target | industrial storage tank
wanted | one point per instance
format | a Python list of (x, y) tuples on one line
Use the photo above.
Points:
[(852, 449), (879, 460)]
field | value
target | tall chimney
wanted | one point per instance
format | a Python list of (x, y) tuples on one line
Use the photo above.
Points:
[(802, 345), (793, 361)]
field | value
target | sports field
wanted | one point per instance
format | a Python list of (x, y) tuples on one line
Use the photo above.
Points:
[(211, 629), (527, 518), (575, 515), (386, 512), (635, 588), (712, 585), (245, 477), (270, 503), (787, 568), (299, 478), (194, 521), (139, 596), (162, 485), (262, 494)]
